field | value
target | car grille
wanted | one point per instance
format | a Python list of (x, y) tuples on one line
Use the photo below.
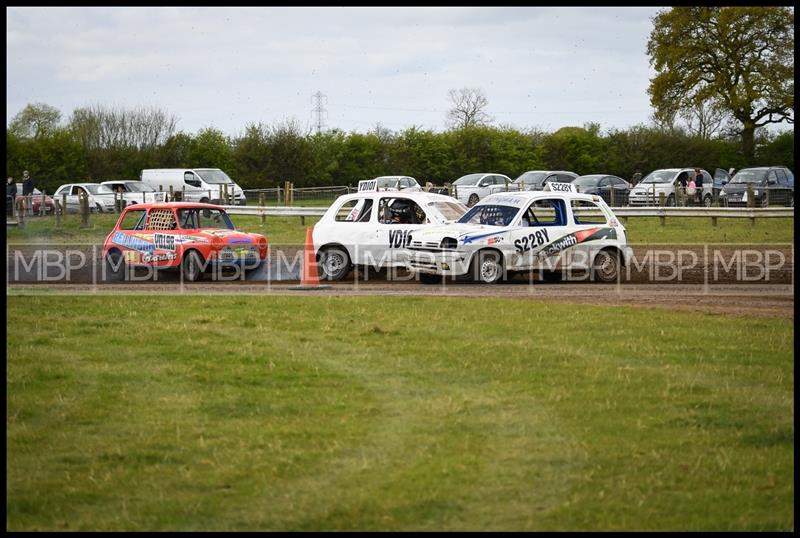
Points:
[(247, 254)]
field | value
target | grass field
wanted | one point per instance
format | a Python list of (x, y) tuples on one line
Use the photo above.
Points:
[(289, 230), (305, 413)]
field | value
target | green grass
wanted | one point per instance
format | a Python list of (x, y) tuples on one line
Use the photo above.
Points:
[(306, 413), (290, 230)]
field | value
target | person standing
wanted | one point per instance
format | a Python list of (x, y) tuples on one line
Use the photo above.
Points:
[(637, 177), (27, 184), (11, 196), (698, 182)]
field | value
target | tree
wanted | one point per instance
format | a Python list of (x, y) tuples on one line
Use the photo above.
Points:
[(35, 120), (705, 120), (468, 108), (738, 59)]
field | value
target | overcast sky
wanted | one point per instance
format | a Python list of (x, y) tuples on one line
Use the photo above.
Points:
[(539, 67)]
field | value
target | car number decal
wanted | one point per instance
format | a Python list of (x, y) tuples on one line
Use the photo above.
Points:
[(399, 238), (532, 240)]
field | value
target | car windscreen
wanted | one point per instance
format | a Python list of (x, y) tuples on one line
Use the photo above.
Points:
[(195, 218), (659, 176), (471, 179), (138, 186), (216, 177), (450, 210), (389, 182), (98, 189), (749, 176), (530, 178), (490, 215), (587, 181)]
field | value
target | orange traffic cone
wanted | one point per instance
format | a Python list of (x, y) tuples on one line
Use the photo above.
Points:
[(309, 279)]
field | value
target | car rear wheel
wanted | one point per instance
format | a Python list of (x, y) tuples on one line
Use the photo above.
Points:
[(334, 263), (192, 266), (671, 200), (473, 199), (486, 267), (606, 266)]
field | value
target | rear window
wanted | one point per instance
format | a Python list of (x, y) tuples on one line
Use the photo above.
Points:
[(585, 212)]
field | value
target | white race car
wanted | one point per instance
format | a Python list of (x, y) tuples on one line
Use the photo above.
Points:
[(372, 228), (524, 231)]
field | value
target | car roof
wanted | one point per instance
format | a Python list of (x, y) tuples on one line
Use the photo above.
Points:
[(417, 196), (532, 195), (175, 205)]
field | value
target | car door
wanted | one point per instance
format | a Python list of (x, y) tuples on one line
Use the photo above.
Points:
[(392, 236), (721, 177), (784, 192), (352, 225), (540, 226)]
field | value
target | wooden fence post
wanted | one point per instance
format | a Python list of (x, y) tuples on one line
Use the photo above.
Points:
[(64, 201), (20, 205), (662, 202), (57, 210), (261, 201), (84, 203)]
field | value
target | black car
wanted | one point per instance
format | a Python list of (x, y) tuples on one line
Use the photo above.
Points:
[(604, 185), (771, 185)]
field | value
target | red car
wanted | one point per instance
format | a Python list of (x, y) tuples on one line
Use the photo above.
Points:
[(36, 200), (180, 235)]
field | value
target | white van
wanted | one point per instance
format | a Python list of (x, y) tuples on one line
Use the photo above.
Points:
[(207, 185)]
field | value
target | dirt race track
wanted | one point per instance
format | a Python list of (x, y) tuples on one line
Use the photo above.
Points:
[(771, 300)]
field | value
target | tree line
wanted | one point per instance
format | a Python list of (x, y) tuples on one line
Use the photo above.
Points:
[(100, 143)]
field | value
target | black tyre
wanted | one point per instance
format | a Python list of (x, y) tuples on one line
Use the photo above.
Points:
[(204, 200), (115, 266), (671, 200), (192, 266), (473, 199), (333, 263), (486, 267), (606, 266), (707, 200), (427, 278)]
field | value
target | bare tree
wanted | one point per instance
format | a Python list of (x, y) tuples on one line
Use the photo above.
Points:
[(468, 108), (705, 120), (101, 127)]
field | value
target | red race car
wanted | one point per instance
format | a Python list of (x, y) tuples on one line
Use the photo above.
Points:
[(180, 235)]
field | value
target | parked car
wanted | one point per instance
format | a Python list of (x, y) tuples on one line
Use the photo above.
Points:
[(194, 184), (535, 180), (187, 236), (370, 228), (524, 231), (769, 183), (668, 181), (101, 198), (36, 200), (471, 188), (604, 185), (397, 183), (135, 192)]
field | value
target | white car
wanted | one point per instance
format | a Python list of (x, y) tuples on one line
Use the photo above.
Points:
[(535, 180), (396, 183), (135, 192), (372, 228), (101, 198), (472, 188), (548, 231), (648, 190)]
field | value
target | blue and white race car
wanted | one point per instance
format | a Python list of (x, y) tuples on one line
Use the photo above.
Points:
[(545, 231)]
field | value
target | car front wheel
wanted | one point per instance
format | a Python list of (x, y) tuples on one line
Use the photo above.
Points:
[(334, 263), (115, 266), (487, 267)]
